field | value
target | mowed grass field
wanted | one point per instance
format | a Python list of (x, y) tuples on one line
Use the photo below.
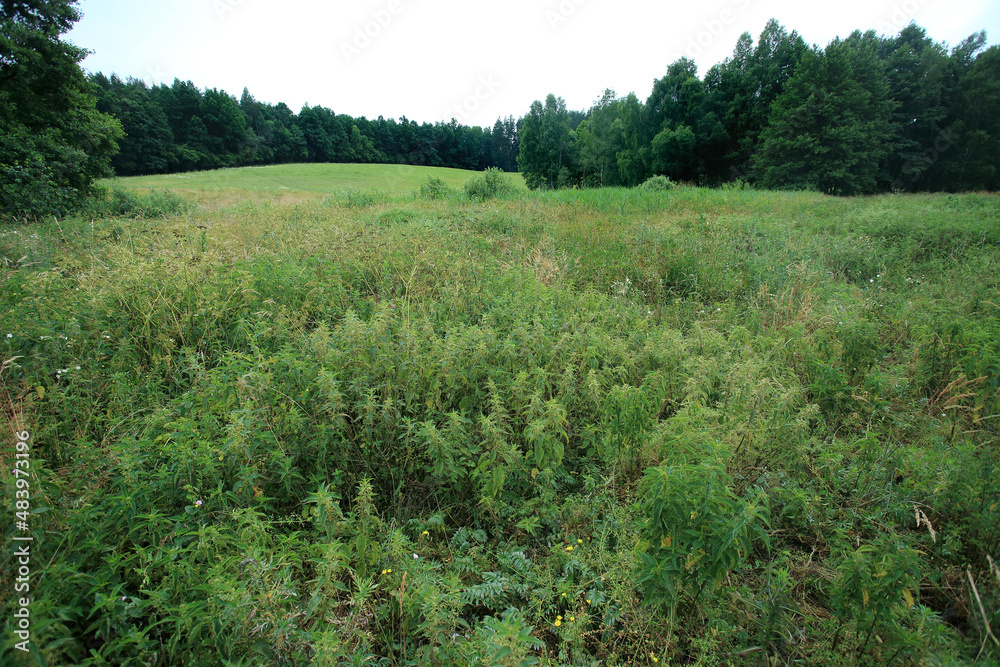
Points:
[(289, 183), (597, 427)]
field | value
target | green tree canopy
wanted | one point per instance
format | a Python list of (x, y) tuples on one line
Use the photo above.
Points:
[(634, 157), (547, 144), (745, 86), (600, 140), (689, 140), (150, 146), (974, 159), (915, 68), (829, 129), (53, 141)]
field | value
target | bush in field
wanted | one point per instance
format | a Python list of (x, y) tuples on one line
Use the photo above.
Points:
[(31, 189), (658, 184), (120, 203), (490, 185), (434, 188)]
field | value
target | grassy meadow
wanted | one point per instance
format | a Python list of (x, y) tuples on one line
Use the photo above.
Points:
[(349, 424), (292, 183)]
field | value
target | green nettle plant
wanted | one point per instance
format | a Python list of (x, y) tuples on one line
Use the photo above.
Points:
[(875, 581), (508, 640), (364, 545), (627, 418), (775, 607), (697, 530), (546, 434)]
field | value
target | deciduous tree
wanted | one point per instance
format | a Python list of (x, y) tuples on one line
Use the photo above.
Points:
[(53, 141), (829, 129)]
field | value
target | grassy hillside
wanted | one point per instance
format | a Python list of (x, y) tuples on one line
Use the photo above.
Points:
[(616, 427), (288, 183)]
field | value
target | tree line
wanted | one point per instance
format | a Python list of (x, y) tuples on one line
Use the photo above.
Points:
[(180, 127), (863, 115)]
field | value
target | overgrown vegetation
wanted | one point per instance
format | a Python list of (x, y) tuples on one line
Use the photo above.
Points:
[(121, 203), (581, 427)]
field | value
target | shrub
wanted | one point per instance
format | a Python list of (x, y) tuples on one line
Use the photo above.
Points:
[(434, 188), (31, 190), (490, 185), (658, 184)]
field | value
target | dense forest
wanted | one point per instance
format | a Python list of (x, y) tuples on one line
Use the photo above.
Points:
[(182, 128), (866, 114)]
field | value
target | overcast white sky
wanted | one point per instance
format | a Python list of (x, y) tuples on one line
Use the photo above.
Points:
[(432, 60)]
